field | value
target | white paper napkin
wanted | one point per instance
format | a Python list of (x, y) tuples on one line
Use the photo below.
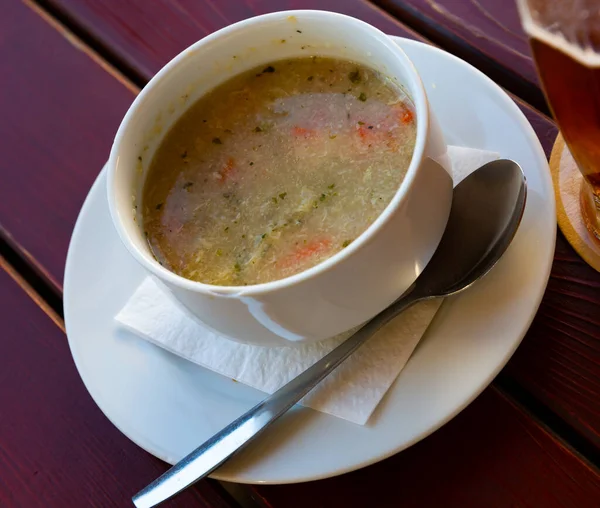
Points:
[(351, 392)]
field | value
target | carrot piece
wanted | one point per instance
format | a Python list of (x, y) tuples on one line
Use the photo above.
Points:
[(227, 170), (363, 132), (305, 252), (301, 132), (369, 136), (407, 116), (403, 113)]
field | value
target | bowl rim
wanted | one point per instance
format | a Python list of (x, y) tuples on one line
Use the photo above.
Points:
[(418, 96)]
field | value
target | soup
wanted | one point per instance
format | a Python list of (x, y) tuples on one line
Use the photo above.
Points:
[(276, 170)]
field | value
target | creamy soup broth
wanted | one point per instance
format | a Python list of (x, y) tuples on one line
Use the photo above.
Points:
[(276, 170)]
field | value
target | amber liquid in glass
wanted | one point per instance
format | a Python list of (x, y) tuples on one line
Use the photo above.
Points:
[(572, 88)]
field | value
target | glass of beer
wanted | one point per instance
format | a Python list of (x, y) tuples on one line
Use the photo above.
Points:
[(565, 40)]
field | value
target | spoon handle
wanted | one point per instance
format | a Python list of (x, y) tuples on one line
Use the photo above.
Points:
[(225, 443)]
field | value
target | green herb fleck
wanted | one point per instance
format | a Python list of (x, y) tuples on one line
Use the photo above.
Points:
[(331, 186), (310, 78), (274, 200), (257, 129), (362, 97), (219, 252), (226, 229), (217, 141), (332, 136), (270, 68), (159, 206), (251, 163), (323, 197), (370, 127), (315, 204), (140, 158), (187, 185), (282, 195), (263, 236), (237, 267), (354, 76), (243, 236), (299, 31), (282, 41), (346, 243), (361, 123)]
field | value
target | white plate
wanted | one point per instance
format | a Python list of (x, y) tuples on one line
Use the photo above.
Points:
[(168, 406)]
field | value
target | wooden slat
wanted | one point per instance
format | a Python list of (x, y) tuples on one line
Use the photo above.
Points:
[(146, 36), (57, 450), (486, 32), (559, 361), (491, 455), (60, 110)]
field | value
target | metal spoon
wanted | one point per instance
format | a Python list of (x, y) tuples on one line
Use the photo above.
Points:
[(486, 211)]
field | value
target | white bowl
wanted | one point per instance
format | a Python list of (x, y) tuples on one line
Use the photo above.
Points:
[(351, 286)]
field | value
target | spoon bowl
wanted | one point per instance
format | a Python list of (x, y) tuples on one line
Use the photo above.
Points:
[(487, 208), (486, 212)]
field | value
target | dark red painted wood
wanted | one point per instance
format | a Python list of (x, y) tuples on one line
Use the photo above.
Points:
[(60, 111), (147, 35), (488, 26), (492, 455), (559, 360), (57, 450)]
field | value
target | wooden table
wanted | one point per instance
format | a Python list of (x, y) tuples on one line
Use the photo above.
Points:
[(68, 71)]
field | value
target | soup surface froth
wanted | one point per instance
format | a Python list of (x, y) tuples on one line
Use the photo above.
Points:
[(276, 170)]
